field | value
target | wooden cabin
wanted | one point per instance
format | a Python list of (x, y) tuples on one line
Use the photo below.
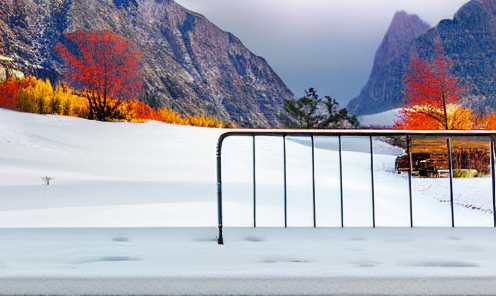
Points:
[(430, 156)]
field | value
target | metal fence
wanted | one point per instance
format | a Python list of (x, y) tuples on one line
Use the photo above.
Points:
[(448, 135)]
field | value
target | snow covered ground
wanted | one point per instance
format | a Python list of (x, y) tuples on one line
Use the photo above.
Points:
[(383, 119), (139, 201)]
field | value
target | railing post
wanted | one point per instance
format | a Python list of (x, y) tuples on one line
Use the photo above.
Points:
[(285, 185), (410, 172), (450, 163), (254, 187), (493, 179), (313, 182), (341, 178), (220, 239), (372, 179)]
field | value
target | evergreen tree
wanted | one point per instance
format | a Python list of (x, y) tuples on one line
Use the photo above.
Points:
[(311, 112)]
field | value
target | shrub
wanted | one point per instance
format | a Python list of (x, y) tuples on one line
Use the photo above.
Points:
[(463, 173), (10, 88), (42, 106), (66, 107), (169, 116), (204, 121), (55, 105)]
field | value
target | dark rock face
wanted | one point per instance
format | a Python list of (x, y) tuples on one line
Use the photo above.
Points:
[(383, 90), (468, 40), (188, 62)]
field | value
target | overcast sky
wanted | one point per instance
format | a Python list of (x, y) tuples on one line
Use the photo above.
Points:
[(325, 44)]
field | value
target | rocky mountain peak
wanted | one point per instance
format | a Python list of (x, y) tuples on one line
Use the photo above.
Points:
[(404, 28), (476, 10), (387, 72), (468, 41)]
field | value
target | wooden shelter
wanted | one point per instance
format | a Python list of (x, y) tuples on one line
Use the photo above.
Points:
[(430, 155)]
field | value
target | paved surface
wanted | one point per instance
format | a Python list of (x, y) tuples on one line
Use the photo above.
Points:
[(262, 261), (248, 286)]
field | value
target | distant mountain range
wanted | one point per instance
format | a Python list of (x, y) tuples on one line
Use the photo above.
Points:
[(188, 62), (192, 66), (468, 40)]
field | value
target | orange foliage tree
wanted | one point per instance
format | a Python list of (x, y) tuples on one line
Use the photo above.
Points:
[(429, 90), (104, 67), (487, 122), (10, 88), (458, 118)]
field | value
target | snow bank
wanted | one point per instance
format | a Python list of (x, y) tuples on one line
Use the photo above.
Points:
[(383, 119)]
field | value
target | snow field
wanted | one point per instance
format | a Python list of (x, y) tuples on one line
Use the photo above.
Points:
[(136, 203), (146, 175)]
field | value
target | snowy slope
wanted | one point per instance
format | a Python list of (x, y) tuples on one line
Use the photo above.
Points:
[(154, 174), (115, 166), (383, 119), (117, 184)]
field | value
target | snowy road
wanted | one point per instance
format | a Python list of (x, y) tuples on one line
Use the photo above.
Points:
[(263, 261), (354, 286)]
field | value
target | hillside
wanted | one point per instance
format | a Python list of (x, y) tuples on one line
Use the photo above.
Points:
[(188, 62)]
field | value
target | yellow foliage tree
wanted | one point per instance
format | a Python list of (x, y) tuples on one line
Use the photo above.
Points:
[(36, 98), (43, 99), (169, 116), (204, 121), (70, 104)]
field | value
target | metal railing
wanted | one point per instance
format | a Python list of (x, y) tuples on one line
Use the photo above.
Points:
[(354, 133)]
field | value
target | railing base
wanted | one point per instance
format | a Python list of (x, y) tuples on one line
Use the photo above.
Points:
[(220, 239)]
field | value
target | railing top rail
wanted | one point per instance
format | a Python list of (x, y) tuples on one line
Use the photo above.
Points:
[(356, 132), (351, 132)]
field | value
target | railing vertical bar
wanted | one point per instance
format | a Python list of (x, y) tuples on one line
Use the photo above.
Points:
[(493, 173), (372, 180), (285, 185), (450, 163), (313, 182), (410, 172), (220, 239), (341, 178), (254, 187)]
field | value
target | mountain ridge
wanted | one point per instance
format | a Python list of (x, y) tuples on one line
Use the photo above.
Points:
[(190, 64), (468, 41), (388, 64)]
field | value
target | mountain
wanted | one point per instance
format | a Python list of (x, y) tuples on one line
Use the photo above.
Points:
[(191, 65), (468, 41), (382, 91)]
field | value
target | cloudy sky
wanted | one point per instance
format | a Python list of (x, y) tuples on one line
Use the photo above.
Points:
[(325, 44)]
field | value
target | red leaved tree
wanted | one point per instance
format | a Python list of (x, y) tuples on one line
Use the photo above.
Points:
[(104, 68), (430, 90)]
